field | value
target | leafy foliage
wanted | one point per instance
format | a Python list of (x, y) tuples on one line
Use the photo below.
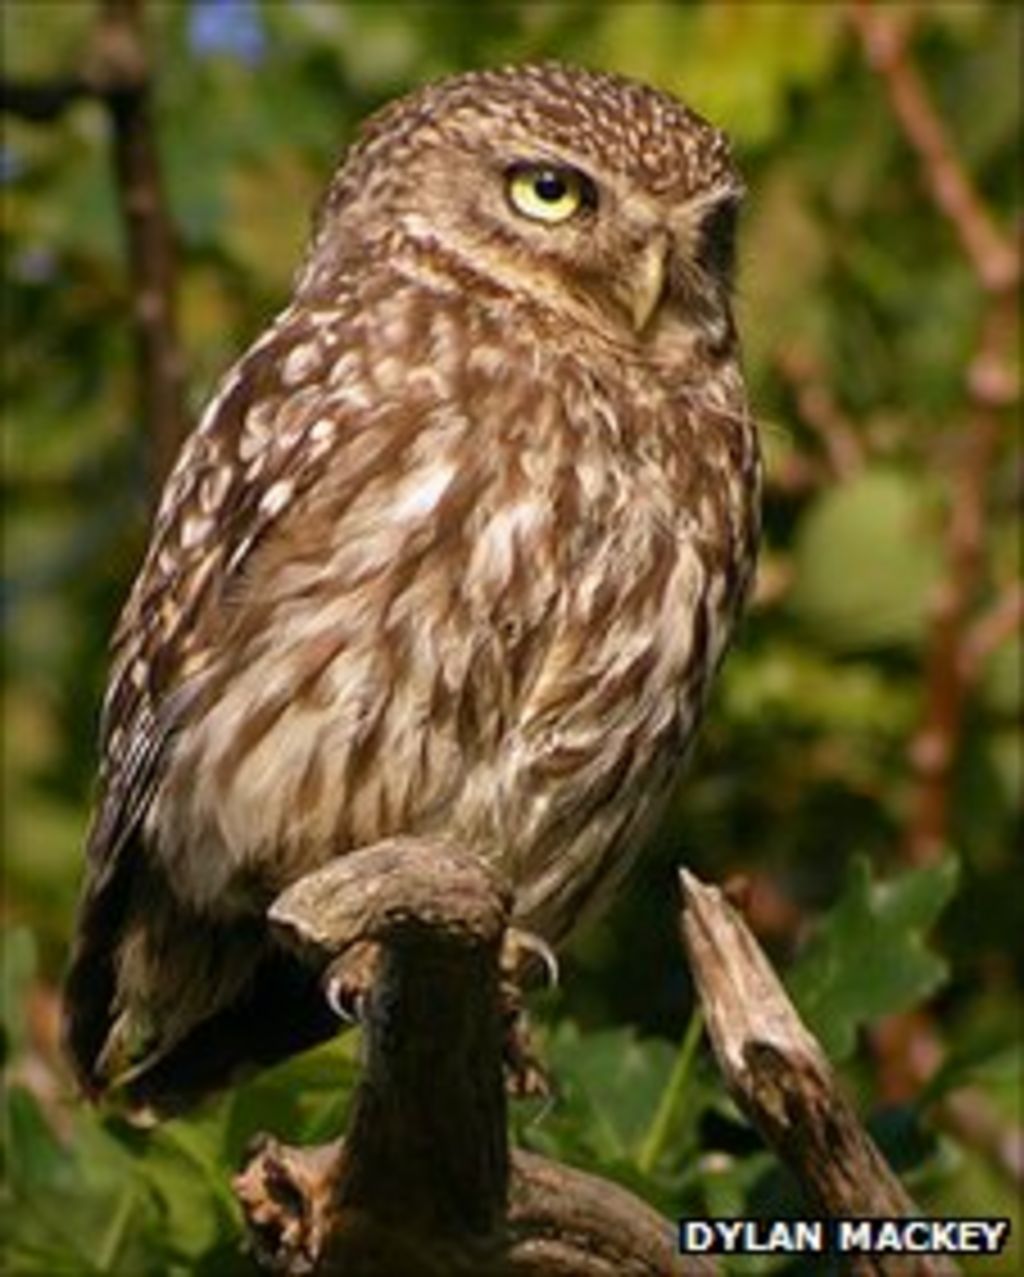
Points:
[(860, 317), (868, 957), (90, 1193), (866, 563)]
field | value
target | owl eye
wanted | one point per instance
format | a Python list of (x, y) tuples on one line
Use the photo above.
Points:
[(549, 193), (717, 250)]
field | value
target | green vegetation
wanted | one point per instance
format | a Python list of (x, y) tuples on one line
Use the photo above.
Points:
[(882, 887)]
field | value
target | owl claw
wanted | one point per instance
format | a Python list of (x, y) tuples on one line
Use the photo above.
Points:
[(347, 1004), (348, 980), (523, 952), (525, 1076), (526, 959)]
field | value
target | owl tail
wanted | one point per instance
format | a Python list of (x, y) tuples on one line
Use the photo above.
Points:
[(91, 981), (163, 1005)]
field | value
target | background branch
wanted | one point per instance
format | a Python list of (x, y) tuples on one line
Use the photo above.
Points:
[(990, 387), (819, 411), (116, 73), (909, 1047), (995, 258), (120, 49)]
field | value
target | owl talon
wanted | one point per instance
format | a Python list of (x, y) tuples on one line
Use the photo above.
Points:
[(525, 1075), (348, 980), (523, 953), (347, 1005)]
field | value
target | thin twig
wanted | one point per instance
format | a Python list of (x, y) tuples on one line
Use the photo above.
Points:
[(989, 386), (995, 257), (120, 42), (971, 1116), (116, 73), (914, 1054), (43, 101), (947, 673), (991, 630), (819, 411)]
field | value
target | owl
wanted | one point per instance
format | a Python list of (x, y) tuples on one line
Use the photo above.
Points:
[(454, 550)]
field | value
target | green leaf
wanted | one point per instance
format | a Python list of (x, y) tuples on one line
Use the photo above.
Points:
[(995, 1060), (867, 557), (34, 1155), (614, 1082), (304, 1100), (791, 685), (177, 1164), (42, 40), (72, 1205), (868, 958), (784, 253)]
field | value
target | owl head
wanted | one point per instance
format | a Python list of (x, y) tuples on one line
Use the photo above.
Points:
[(583, 192)]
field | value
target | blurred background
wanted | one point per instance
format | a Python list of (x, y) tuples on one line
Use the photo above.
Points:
[(861, 767)]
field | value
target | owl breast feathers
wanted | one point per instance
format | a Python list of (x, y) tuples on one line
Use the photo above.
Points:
[(455, 549)]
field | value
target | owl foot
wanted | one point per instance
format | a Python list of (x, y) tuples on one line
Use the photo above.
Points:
[(527, 960), (525, 1075), (348, 980)]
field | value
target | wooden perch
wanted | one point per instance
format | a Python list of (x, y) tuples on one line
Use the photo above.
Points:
[(780, 1077), (424, 1181)]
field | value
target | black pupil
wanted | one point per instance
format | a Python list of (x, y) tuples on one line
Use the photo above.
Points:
[(550, 187)]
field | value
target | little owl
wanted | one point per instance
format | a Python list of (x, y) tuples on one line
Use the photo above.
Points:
[(456, 548)]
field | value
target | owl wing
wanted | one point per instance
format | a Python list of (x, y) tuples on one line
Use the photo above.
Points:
[(262, 442)]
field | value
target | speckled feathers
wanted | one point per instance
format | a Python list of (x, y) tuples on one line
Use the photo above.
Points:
[(456, 548)]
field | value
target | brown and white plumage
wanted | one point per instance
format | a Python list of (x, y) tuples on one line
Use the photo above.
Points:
[(457, 547)]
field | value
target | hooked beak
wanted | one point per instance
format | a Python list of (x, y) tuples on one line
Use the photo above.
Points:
[(646, 286)]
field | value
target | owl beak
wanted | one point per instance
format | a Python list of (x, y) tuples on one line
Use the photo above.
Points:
[(647, 285)]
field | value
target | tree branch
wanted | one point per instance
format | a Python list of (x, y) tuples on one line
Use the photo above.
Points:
[(991, 630), (990, 388), (424, 1182), (801, 368), (780, 1077), (948, 672), (995, 258), (120, 53), (116, 72)]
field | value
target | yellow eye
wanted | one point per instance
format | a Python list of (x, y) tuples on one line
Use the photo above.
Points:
[(547, 193)]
